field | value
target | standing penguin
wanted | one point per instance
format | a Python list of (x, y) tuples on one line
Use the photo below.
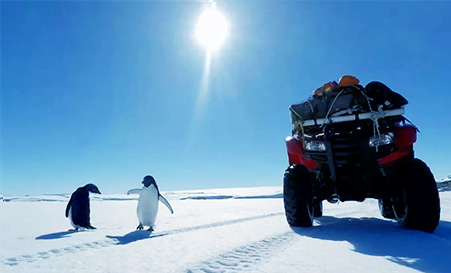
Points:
[(149, 196), (78, 207)]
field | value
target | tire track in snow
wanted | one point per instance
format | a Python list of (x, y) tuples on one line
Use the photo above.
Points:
[(121, 240), (244, 257), (43, 255), (219, 224)]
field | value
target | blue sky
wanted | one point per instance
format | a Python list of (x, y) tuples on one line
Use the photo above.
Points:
[(106, 92)]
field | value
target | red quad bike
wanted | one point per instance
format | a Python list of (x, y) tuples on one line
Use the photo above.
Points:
[(363, 148)]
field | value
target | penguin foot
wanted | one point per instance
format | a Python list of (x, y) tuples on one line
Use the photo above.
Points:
[(140, 227), (80, 228), (150, 229)]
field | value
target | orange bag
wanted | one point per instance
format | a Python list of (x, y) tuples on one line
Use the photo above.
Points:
[(348, 80)]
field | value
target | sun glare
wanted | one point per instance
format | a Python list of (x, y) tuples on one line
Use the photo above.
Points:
[(212, 29)]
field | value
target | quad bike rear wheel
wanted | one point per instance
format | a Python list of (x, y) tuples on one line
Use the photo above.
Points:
[(317, 208)]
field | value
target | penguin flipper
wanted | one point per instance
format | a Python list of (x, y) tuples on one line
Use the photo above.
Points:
[(134, 191), (165, 202), (69, 205)]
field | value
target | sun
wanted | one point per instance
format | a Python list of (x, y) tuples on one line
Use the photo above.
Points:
[(212, 29)]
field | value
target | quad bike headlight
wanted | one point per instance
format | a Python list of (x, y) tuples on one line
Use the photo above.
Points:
[(380, 140), (314, 146)]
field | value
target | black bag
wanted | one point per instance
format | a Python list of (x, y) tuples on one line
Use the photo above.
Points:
[(342, 101), (380, 94), (309, 109), (348, 100)]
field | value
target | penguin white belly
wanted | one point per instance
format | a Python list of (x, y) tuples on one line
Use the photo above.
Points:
[(148, 206), (72, 221)]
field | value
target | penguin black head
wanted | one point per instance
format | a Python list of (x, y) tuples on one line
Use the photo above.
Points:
[(149, 180), (92, 188)]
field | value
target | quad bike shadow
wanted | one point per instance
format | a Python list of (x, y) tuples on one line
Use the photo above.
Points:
[(422, 251)]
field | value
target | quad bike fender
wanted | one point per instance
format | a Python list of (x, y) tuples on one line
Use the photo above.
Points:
[(296, 154), (404, 137)]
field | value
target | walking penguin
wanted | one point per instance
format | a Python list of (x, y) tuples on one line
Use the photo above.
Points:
[(78, 207), (149, 196)]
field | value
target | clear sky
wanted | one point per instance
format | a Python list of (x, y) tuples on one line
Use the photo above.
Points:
[(108, 91)]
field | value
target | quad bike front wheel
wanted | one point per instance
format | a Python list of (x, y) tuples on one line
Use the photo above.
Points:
[(386, 208), (416, 203), (298, 197)]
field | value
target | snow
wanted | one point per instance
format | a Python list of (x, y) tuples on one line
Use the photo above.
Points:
[(444, 184), (220, 230)]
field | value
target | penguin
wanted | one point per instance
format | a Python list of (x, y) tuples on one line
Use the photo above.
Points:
[(78, 207), (149, 196)]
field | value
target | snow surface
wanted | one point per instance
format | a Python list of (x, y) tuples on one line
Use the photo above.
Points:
[(227, 230), (444, 184)]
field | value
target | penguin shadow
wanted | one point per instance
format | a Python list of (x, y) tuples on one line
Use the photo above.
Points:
[(56, 235), (133, 236)]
